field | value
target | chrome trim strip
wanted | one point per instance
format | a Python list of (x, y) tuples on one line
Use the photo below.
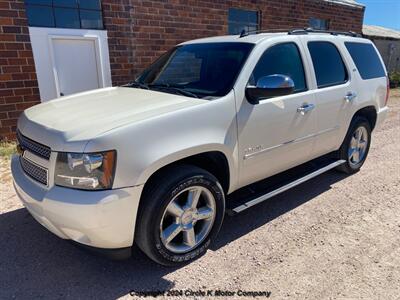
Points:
[(287, 186), (251, 155)]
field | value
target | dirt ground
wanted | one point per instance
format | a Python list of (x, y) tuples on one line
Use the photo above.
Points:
[(335, 237)]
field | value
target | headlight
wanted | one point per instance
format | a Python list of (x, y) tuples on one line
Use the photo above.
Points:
[(88, 171)]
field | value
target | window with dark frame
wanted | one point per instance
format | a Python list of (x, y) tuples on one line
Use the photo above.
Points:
[(320, 24), (240, 19), (366, 59), (79, 14), (328, 64), (284, 59)]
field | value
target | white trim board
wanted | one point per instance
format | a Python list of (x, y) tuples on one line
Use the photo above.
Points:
[(42, 47)]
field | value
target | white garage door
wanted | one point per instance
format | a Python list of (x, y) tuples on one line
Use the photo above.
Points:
[(76, 65)]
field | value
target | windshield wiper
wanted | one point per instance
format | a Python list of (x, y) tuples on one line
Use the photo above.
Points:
[(137, 84), (166, 86)]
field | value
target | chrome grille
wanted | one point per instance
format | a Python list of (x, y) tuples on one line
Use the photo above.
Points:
[(34, 171), (32, 146)]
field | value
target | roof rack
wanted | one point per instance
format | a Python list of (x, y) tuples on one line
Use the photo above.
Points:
[(300, 31), (246, 33), (331, 32)]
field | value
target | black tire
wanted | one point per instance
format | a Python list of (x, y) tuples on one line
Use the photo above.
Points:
[(343, 152), (154, 202)]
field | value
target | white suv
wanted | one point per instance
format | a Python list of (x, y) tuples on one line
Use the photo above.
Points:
[(157, 162)]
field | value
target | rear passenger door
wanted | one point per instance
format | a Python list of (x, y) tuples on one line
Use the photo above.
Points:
[(334, 90)]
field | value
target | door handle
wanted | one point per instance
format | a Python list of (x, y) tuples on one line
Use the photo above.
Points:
[(350, 96), (305, 108)]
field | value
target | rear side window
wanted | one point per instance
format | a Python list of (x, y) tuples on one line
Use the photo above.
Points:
[(328, 64), (282, 59), (366, 59)]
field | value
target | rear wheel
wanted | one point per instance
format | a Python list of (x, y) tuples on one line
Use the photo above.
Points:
[(356, 145), (181, 213)]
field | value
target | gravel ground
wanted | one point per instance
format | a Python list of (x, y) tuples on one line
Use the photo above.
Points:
[(336, 237)]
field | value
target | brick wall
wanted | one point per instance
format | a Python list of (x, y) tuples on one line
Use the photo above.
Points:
[(18, 84), (119, 22), (141, 30), (159, 25)]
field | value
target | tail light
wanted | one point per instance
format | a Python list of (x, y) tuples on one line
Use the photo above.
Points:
[(387, 90)]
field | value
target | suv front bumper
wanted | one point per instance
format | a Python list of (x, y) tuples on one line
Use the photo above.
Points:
[(101, 219)]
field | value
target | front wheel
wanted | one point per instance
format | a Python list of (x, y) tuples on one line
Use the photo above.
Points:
[(181, 213), (355, 146)]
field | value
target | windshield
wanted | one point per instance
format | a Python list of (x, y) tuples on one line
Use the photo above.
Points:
[(199, 70)]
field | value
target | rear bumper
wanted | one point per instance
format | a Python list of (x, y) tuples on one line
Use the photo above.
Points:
[(381, 116), (100, 219)]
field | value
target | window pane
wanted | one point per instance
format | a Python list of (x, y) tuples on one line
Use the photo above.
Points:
[(91, 19), (41, 16), (67, 17), (282, 59), (235, 28), (252, 16), (182, 69), (318, 24), (366, 59), (90, 4), (207, 69), (233, 14), (42, 2), (328, 64), (65, 3), (239, 19)]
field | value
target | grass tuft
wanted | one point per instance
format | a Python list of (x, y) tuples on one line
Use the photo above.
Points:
[(7, 149)]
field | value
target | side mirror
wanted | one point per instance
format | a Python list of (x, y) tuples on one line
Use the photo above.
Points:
[(268, 87)]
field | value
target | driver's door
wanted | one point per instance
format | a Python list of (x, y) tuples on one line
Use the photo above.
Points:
[(276, 134)]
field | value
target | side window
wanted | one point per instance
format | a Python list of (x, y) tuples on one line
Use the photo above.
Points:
[(366, 59), (282, 59), (328, 64)]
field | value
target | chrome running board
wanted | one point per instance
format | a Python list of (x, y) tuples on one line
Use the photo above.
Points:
[(286, 187)]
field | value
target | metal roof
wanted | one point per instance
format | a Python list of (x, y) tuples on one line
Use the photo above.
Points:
[(347, 2), (378, 31)]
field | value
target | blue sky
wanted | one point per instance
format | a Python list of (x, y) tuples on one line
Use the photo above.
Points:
[(384, 13)]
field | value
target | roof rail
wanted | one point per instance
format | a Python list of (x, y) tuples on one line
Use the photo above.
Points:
[(246, 33), (300, 31), (331, 32)]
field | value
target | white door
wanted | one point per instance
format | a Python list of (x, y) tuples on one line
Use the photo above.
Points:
[(275, 134), (76, 65), (333, 82)]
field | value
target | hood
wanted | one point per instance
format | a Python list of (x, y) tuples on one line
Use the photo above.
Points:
[(83, 116)]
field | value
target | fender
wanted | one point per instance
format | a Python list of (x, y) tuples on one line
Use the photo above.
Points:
[(177, 156)]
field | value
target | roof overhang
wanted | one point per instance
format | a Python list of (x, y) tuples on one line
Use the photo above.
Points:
[(350, 3)]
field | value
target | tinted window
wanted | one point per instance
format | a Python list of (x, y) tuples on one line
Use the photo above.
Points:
[(66, 17), (90, 4), (65, 3), (40, 16), (328, 64), (84, 14), (203, 69), (239, 19), (91, 19), (320, 24), (366, 59), (282, 59)]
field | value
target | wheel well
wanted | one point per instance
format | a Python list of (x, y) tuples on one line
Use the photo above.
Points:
[(214, 162), (369, 113)]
